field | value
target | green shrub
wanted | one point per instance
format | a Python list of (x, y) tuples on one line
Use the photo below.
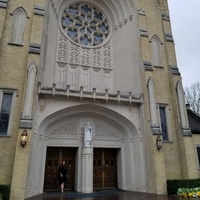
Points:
[(174, 185), (4, 192)]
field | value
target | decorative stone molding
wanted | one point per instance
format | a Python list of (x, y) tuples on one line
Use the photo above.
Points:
[(85, 57), (61, 141), (26, 123), (96, 57), (39, 10), (120, 24), (106, 131), (76, 57), (30, 88), (183, 112), (107, 143), (141, 12), (125, 21), (62, 49), (89, 95), (169, 37), (107, 56), (175, 70), (66, 130), (130, 17), (34, 48), (156, 130), (156, 51), (153, 109), (54, 7), (147, 66), (3, 3), (186, 132), (165, 17), (19, 17), (143, 33), (74, 54)]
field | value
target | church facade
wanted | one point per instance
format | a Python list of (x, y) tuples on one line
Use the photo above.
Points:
[(108, 65)]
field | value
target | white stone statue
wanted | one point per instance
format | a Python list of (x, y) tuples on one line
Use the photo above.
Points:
[(87, 135)]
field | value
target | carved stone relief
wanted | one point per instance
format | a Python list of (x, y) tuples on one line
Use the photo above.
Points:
[(96, 74), (101, 130), (62, 49), (60, 75), (85, 58), (66, 130), (85, 78), (107, 79), (74, 54), (96, 58), (73, 77), (76, 57), (107, 56)]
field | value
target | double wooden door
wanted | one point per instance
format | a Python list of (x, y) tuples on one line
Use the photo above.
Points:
[(54, 158), (105, 168)]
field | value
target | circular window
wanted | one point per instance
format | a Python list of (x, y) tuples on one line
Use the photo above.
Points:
[(85, 24)]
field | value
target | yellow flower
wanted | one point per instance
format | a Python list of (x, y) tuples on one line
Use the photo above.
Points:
[(185, 194)]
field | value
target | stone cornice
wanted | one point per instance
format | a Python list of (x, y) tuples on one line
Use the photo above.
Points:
[(81, 94)]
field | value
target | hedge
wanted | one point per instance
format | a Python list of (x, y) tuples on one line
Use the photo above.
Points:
[(174, 185), (4, 192)]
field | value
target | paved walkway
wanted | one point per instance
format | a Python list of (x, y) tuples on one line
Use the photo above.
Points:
[(118, 195)]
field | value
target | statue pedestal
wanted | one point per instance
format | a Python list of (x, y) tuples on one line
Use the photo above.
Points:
[(87, 170)]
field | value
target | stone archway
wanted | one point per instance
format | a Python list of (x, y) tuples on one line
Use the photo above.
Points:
[(64, 128)]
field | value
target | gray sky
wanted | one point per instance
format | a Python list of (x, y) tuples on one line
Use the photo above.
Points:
[(185, 22)]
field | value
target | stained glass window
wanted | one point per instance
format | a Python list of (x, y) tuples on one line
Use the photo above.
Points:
[(85, 24), (198, 154), (85, 41), (163, 121), (5, 113)]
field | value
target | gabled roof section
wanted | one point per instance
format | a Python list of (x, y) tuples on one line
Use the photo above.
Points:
[(194, 121)]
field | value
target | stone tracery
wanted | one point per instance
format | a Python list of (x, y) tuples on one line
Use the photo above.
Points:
[(85, 24)]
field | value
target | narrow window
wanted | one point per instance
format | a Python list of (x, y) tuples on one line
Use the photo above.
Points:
[(5, 113), (156, 51), (19, 20), (163, 123), (198, 154)]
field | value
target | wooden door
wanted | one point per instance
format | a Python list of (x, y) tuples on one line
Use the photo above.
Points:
[(97, 169), (51, 170), (69, 156), (110, 175), (105, 168), (54, 158)]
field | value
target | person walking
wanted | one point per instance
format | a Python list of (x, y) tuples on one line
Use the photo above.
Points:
[(62, 176)]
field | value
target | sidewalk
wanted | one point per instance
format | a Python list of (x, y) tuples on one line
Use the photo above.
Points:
[(118, 195)]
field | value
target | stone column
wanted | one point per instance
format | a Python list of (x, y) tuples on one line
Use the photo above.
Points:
[(87, 170)]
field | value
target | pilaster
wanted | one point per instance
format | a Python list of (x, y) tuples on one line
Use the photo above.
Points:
[(87, 170)]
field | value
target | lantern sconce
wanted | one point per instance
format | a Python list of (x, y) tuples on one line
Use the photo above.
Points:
[(24, 137), (159, 142)]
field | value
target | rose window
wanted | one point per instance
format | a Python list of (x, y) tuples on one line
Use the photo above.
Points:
[(85, 24)]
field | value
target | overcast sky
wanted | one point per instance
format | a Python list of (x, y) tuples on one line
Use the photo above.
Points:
[(185, 22)]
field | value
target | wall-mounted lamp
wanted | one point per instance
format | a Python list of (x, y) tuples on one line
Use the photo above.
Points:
[(159, 142), (24, 137)]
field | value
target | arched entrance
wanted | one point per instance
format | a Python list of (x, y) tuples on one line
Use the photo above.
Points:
[(116, 142)]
